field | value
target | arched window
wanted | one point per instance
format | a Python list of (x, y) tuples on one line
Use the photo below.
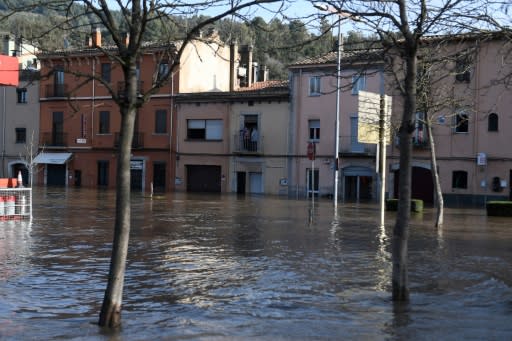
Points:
[(493, 122)]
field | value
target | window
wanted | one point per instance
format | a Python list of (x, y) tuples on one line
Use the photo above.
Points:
[(104, 122), (314, 85), (358, 83), (160, 122), (21, 135), (22, 95), (204, 129), (419, 137), (462, 69), (460, 179), (492, 124), (106, 69), (314, 130), (461, 122), (163, 70)]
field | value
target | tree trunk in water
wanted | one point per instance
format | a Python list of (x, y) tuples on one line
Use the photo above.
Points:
[(400, 280), (435, 177), (110, 315)]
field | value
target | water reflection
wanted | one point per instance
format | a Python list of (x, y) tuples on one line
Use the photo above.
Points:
[(209, 266)]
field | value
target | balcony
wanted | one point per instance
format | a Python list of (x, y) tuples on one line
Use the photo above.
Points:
[(121, 88), (56, 90), (137, 142), (54, 139), (246, 146)]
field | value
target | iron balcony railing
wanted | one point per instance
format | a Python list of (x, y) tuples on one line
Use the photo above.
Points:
[(245, 145), (121, 88), (56, 90), (54, 139), (137, 142)]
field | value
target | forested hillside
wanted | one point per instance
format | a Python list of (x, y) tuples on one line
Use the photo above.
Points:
[(276, 43)]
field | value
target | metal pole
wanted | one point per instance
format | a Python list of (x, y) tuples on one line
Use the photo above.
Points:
[(382, 159), (337, 122)]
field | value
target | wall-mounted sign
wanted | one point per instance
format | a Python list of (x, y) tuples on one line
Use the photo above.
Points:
[(81, 141), (481, 159)]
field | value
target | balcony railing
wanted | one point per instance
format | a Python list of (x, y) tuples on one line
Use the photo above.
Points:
[(137, 142), (243, 145), (54, 139), (121, 88), (56, 90)]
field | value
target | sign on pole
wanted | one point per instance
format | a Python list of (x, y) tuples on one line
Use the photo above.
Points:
[(368, 117)]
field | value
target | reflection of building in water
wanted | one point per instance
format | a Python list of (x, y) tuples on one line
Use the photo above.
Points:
[(15, 241)]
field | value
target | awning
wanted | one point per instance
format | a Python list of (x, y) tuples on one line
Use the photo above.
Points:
[(53, 158)]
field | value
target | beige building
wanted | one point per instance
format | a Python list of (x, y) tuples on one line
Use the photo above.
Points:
[(233, 141)]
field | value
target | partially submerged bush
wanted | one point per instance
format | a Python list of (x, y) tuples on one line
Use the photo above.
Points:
[(499, 208), (416, 205)]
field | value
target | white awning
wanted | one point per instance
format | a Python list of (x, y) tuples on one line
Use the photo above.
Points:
[(53, 158)]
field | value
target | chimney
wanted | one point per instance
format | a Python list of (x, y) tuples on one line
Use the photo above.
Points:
[(246, 61), (96, 37), (233, 53), (6, 41)]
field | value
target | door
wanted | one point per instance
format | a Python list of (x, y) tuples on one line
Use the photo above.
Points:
[(255, 182), (159, 171), (240, 182), (102, 173), (56, 175), (203, 178), (312, 182), (137, 175)]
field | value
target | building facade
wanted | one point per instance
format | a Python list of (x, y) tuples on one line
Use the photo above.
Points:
[(80, 122), (469, 96), (234, 141), (19, 116), (314, 90)]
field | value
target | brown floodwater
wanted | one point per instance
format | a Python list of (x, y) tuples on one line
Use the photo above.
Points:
[(216, 267)]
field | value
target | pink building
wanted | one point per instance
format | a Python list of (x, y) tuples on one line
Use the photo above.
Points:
[(313, 91), (470, 123)]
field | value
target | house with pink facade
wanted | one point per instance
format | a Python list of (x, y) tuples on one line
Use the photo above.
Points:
[(469, 93), (313, 89)]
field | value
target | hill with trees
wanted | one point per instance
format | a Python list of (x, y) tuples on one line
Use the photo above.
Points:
[(276, 43)]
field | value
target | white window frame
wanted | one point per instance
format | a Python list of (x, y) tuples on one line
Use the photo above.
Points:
[(213, 128), (314, 124), (358, 83), (315, 85)]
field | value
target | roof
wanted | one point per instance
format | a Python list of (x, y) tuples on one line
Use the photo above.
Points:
[(350, 56), (268, 90)]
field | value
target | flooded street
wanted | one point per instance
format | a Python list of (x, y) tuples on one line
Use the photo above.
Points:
[(203, 267)]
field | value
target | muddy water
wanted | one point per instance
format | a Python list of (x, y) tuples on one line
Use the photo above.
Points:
[(205, 267)]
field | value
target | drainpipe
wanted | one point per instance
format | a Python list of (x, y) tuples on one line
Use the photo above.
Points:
[(4, 119)]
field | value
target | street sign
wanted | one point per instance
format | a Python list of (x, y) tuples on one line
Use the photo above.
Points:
[(368, 117)]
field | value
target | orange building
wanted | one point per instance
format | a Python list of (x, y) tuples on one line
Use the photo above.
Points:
[(80, 122)]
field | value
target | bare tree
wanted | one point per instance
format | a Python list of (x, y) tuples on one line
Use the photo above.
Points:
[(401, 26), (134, 18)]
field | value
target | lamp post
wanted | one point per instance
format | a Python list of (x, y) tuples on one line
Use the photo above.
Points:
[(327, 8)]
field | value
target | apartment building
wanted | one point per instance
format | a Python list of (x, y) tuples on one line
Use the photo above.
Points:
[(19, 113), (234, 141), (470, 123), (80, 123), (313, 90)]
